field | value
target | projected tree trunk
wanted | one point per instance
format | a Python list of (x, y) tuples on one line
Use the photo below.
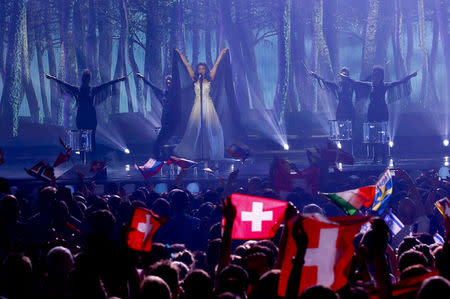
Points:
[(370, 47), (284, 58), (12, 90)]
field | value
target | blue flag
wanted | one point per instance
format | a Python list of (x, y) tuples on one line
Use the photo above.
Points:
[(384, 188), (394, 224)]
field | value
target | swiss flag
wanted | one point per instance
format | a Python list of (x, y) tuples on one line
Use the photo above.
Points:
[(144, 224), (256, 217), (330, 251), (97, 166)]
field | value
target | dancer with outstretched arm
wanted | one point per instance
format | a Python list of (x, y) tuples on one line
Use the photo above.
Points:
[(378, 109), (168, 118), (86, 97)]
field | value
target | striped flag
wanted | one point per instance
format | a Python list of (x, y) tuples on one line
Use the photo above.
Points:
[(443, 206), (150, 168), (181, 162), (394, 224), (384, 188), (42, 170), (239, 151), (438, 238), (352, 200)]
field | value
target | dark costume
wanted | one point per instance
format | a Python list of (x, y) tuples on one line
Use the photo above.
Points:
[(343, 92), (378, 109), (87, 97), (167, 120), (222, 94)]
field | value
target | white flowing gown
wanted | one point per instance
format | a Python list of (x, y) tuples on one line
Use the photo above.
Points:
[(191, 143)]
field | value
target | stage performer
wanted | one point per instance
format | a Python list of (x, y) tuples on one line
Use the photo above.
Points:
[(86, 97), (165, 97), (343, 91), (219, 113), (376, 90)]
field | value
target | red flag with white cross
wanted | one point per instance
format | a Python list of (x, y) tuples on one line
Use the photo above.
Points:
[(144, 224), (329, 254), (256, 217)]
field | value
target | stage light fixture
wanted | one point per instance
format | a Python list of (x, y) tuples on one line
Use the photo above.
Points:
[(126, 151), (339, 145), (391, 163), (127, 167), (286, 146), (391, 144), (446, 161), (77, 152), (445, 142)]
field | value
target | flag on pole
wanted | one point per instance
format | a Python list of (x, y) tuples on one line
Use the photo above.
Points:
[(97, 166), (62, 158), (144, 224), (181, 162), (438, 238), (333, 154), (443, 206), (394, 224), (239, 151), (150, 168), (42, 171), (285, 181), (329, 253), (256, 217), (352, 200), (2, 157), (384, 188)]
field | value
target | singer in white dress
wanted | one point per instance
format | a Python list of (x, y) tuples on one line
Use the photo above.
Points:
[(210, 137)]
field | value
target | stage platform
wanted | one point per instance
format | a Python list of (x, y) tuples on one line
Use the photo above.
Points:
[(120, 167)]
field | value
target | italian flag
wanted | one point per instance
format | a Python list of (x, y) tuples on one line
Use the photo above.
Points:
[(352, 200)]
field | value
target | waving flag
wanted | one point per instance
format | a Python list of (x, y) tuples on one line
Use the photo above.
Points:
[(329, 254), (384, 190), (352, 200), (62, 158), (42, 171), (183, 163), (438, 238), (285, 181), (144, 224), (394, 224), (443, 206), (239, 151), (97, 166), (256, 217), (150, 168), (2, 158)]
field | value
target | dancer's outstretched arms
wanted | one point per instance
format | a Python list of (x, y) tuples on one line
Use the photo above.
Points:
[(362, 88), (158, 92), (214, 69), (68, 88), (101, 87), (331, 86), (186, 64), (404, 80)]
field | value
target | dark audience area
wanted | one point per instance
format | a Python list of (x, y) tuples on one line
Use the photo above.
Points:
[(56, 243)]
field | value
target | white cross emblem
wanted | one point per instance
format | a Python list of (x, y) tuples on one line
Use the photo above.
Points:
[(145, 227), (257, 216), (324, 257)]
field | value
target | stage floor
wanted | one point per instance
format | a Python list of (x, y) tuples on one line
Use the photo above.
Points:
[(121, 169)]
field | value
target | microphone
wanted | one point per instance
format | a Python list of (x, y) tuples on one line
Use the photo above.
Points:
[(200, 77)]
